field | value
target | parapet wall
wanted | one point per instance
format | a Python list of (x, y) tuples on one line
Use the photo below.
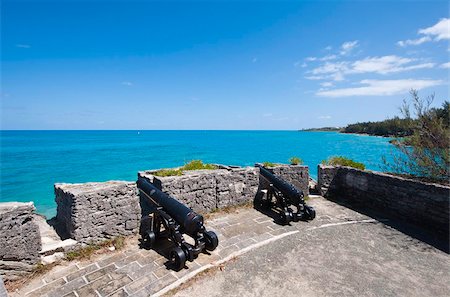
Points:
[(92, 212), (206, 190), (20, 240), (420, 203), (298, 175)]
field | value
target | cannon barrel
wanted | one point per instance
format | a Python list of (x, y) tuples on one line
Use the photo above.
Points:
[(290, 191), (190, 221)]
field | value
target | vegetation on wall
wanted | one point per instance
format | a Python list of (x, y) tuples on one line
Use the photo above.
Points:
[(343, 161), (295, 161), (192, 165)]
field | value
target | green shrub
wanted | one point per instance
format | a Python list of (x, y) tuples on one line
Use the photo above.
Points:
[(268, 164), (192, 165), (197, 165), (342, 161), (168, 172), (426, 152), (295, 161)]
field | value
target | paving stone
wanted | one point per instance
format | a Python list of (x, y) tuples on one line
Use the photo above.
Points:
[(117, 281), (67, 288), (160, 284), (160, 272), (140, 283), (144, 270), (71, 294), (161, 261), (47, 288), (134, 257), (100, 272), (60, 272), (110, 259), (90, 289), (82, 272), (129, 269), (148, 257), (119, 293), (33, 285)]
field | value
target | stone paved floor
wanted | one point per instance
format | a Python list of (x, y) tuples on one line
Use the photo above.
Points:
[(134, 271)]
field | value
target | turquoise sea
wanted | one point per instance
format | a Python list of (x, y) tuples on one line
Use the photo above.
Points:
[(32, 161)]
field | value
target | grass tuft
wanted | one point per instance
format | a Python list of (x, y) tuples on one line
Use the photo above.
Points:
[(192, 165), (268, 164), (86, 252), (295, 161), (342, 161)]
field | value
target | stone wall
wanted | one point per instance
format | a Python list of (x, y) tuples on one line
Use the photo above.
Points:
[(420, 203), (206, 190), (92, 212), (298, 175), (20, 240)]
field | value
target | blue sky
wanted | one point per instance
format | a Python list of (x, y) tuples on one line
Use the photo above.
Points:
[(217, 64)]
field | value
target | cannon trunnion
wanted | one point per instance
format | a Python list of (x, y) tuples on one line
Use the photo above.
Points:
[(177, 219), (286, 195)]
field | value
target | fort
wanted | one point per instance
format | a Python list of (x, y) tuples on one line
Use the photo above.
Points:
[(414, 215)]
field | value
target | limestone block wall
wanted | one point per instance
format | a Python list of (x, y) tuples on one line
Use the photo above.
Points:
[(206, 190), (325, 178), (298, 175), (420, 203), (92, 212), (20, 240)]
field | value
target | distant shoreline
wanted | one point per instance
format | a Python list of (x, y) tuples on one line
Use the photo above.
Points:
[(342, 132)]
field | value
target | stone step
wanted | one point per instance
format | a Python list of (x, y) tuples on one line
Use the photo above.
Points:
[(57, 246)]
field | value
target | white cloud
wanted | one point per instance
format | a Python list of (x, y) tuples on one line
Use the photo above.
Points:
[(386, 64), (328, 48), (254, 60), (126, 83), (23, 45), (328, 57), (326, 117), (327, 84), (437, 32), (380, 65), (267, 115), (445, 65), (381, 88), (414, 41), (440, 31), (348, 46), (310, 59)]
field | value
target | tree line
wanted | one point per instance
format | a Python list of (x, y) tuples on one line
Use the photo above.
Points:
[(396, 126)]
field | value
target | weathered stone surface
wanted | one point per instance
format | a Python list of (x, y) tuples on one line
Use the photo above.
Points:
[(20, 241), (206, 190), (298, 175), (420, 203), (92, 212), (325, 178), (3, 292)]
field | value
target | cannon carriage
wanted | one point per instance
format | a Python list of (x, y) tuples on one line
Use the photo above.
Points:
[(281, 196), (176, 219)]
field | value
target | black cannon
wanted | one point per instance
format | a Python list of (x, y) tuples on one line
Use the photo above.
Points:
[(286, 195), (176, 219)]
